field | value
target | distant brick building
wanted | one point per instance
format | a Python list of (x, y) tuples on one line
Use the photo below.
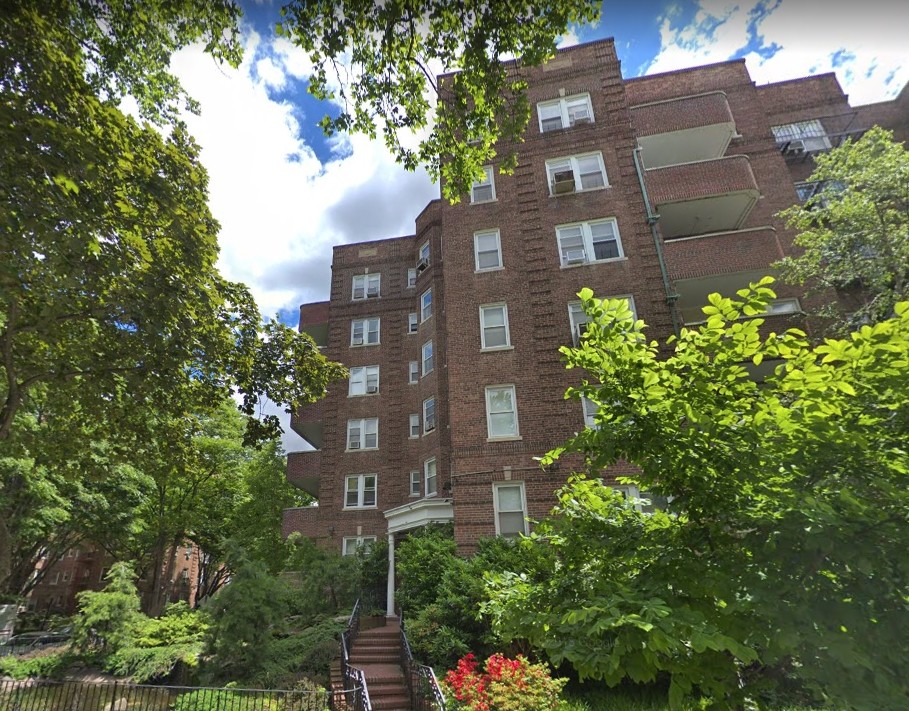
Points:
[(661, 189), (85, 567)]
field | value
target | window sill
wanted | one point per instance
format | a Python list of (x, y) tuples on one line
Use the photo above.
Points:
[(483, 202), (516, 438), (582, 190), (359, 508), (362, 449), (414, 496), (426, 434), (364, 345), (428, 373), (490, 269), (594, 261), (363, 395), (494, 349)]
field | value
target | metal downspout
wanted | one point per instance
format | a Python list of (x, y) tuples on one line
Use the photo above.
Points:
[(652, 219)]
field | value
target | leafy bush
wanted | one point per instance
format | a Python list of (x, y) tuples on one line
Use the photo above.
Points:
[(309, 651), (159, 645), (421, 561), (505, 685), (220, 699), (48, 665), (326, 582)]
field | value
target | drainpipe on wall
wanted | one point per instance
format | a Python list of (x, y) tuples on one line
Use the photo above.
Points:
[(652, 219)]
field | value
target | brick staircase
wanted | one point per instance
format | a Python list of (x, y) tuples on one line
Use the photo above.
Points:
[(377, 652)]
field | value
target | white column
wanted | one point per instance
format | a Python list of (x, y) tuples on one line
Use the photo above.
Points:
[(390, 609)]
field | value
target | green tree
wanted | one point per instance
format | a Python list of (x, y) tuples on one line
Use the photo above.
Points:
[(782, 555), (382, 61), (855, 231), (108, 620)]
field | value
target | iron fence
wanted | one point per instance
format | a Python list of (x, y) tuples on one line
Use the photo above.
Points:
[(46, 695), (425, 693)]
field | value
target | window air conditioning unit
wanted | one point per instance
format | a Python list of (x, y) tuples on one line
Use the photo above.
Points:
[(372, 390), (430, 426), (353, 445), (357, 341), (422, 265), (581, 119), (816, 143), (372, 291), (575, 256), (795, 147), (563, 182)]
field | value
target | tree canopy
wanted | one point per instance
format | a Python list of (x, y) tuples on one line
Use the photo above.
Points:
[(854, 231), (780, 562), (382, 62)]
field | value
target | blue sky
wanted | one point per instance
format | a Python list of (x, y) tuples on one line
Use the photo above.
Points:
[(284, 194)]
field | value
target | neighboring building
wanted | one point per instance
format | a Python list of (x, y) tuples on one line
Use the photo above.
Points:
[(85, 567), (661, 189)]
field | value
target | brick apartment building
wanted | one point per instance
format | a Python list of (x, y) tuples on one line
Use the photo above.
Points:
[(661, 189)]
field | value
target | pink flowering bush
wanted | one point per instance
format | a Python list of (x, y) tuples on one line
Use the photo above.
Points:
[(504, 685)]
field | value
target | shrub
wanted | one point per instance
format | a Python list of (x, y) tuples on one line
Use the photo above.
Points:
[(220, 699), (309, 651), (49, 665), (107, 620), (505, 685)]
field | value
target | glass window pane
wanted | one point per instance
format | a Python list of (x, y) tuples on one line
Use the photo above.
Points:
[(511, 524), (510, 498), (502, 424)]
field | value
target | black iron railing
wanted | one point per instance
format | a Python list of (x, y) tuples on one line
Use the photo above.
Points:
[(46, 695), (355, 694), (422, 685)]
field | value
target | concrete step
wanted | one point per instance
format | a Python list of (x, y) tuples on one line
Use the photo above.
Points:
[(366, 658), (399, 702)]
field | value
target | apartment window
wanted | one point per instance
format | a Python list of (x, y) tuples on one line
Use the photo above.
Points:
[(494, 326), (65, 576), (487, 250), (564, 113), (363, 434), (55, 579), (589, 242), (364, 380), (427, 358), (414, 372), (360, 491), (426, 305), (501, 412), (590, 412), (644, 501), (414, 425), (424, 252), (783, 306), (429, 414), (484, 190), (578, 318), (352, 544), (576, 173), (510, 509), (415, 483), (429, 477), (413, 323), (366, 286), (411, 278), (364, 332), (801, 136)]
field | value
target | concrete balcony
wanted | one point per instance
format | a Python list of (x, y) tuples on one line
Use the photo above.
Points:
[(307, 422), (703, 197), (314, 322), (304, 520), (304, 470), (683, 130)]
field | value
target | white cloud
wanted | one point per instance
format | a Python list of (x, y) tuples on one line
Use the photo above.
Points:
[(864, 43), (267, 187)]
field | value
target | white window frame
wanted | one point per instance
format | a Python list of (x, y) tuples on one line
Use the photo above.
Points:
[(430, 416), (364, 380), (367, 327), (65, 576), (415, 425), (426, 305), (630, 491), (490, 390), (430, 477), (415, 483), (366, 285), (589, 409), (413, 322), (480, 184), (361, 490), (411, 277), (368, 429), (784, 306), (565, 164), (486, 308), (427, 360), (572, 254), (56, 579), (477, 236), (413, 372), (564, 104), (358, 542), (497, 509)]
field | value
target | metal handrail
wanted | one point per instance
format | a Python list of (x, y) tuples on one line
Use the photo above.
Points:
[(422, 684), (355, 693)]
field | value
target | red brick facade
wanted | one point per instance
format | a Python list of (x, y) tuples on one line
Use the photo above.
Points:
[(718, 179)]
